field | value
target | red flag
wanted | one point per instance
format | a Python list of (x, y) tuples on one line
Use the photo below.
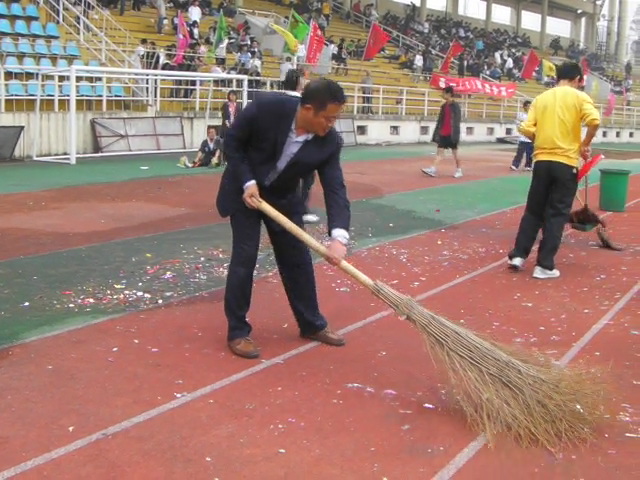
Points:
[(378, 38), (586, 168), (530, 64), (455, 49), (315, 46)]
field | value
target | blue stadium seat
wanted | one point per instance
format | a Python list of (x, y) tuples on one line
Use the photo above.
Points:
[(72, 49), (36, 29), (28, 65), (20, 28), (117, 90), (50, 89), (4, 11), (85, 89), (51, 30), (94, 63), (45, 63), (5, 26), (31, 11), (32, 88), (15, 88), (62, 63), (12, 65), (40, 47), (16, 10), (65, 90), (24, 46), (7, 45), (100, 90), (78, 63), (56, 48)]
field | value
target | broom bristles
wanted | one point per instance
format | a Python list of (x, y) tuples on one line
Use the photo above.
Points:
[(505, 390)]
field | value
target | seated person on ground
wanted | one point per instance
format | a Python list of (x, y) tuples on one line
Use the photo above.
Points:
[(208, 154)]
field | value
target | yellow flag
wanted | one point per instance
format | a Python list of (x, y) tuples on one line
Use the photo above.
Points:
[(548, 68), (292, 43)]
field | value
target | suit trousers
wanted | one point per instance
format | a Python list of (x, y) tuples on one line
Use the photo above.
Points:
[(294, 265), (553, 187)]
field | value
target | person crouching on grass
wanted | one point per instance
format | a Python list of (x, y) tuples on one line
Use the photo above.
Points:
[(525, 145), (209, 153), (447, 133), (554, 123)]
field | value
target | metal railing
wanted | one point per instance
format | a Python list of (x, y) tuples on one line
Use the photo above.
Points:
[(100, 89), (85, 32)]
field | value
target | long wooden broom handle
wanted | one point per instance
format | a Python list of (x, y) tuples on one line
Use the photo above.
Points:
[(312, 243)]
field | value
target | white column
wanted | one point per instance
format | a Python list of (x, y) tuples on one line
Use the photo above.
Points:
[(423, 10), (576, 28), (612, 22), (623, 31), (487, 14), (454, 8), (543, 25), (518, 20)]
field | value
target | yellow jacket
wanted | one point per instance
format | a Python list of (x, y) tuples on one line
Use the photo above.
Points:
[(555, 122)]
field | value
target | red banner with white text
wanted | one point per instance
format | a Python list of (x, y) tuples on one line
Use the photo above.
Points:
[(316, 44), (471, 85)]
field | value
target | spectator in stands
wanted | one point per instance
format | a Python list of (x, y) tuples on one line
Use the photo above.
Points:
[(195, 12), (162, 15), (284, 69), (447, 133), (367, 93), (208, 154)]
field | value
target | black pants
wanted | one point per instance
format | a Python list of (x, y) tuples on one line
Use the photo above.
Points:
[(307, 184), (524, 148), (553, 187), (294, 264)]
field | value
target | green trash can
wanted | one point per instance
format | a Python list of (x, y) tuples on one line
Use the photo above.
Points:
[(614, 187)]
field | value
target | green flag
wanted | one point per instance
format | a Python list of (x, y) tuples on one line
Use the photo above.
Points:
[(222, 31), (298, 27)]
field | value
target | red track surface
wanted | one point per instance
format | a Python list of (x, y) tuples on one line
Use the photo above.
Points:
[(49, 220), (306, 417)]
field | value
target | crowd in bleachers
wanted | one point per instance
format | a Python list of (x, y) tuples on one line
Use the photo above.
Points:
[(496, 53)]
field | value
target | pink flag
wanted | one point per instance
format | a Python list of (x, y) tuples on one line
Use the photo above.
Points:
[(611, 106), (183, 39)]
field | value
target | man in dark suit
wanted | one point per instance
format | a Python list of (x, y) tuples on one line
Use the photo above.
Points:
[(276, 141)]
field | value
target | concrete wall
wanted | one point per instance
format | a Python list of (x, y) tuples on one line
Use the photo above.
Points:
[(52, 135)]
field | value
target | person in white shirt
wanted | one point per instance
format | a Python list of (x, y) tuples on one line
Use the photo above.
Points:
[(525, 145), (195, 13), (293, 85)]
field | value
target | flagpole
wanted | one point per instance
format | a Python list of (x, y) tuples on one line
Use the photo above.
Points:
[(367, 44)]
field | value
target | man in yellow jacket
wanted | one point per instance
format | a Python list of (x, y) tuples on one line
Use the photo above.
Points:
[(554, 123)]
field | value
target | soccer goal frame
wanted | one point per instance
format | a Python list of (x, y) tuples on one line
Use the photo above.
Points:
[(144, 86)]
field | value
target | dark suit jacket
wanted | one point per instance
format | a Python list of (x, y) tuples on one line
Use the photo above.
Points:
[(253, 146), (456, 117)]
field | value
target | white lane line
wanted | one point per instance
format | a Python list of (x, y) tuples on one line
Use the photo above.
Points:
[(149, 414), (474, 447)]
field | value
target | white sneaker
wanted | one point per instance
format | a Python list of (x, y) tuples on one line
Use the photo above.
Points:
[(515, 263), (430, 171), (515, 169), (543, 273), (528, 169), (458, 173), (310, 218)]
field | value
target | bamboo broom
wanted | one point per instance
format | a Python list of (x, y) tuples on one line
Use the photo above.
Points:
[(502, 390)]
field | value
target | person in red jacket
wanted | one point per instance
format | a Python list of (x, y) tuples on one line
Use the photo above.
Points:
[(447, 133)]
